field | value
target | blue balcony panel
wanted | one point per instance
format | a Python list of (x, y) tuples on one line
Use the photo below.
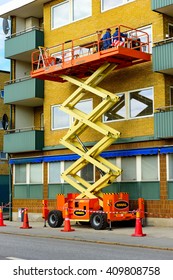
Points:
[(163, 124), (162, 57), (23, 141), (21, 46), (163, 6), (27, 92)]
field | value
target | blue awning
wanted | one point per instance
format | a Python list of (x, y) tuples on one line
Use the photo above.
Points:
[(166, 150), (128, 153), (106, 154)]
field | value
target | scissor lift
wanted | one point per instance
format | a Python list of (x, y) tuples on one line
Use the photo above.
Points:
[(86, 65)]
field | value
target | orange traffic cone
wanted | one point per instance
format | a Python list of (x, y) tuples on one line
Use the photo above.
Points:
[(25, 220), (138, 227), (1, 218), (67, 226)]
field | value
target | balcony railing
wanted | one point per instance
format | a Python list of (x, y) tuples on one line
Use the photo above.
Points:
[(23, 139), (24, 91), (163, 122), (163, 6), (162, 56), (20, 45)]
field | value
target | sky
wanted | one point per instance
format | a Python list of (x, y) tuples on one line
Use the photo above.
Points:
[(4, 63)]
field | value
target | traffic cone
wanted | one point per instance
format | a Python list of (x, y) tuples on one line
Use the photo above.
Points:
[(138, 227), (25, 220), (67, 226), (1, 218)]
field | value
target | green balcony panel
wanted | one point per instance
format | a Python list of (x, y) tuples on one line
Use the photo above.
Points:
[(163, 124), (28, 92), (24, 141), (162, 6), (21, 46), (163, 58)]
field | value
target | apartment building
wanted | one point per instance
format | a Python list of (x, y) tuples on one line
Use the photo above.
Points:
[(4, 116), (144, 150)]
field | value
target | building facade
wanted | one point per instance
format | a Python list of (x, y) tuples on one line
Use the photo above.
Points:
[(145, 149), (4, 169)]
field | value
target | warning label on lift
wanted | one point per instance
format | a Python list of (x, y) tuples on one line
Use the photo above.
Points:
[(121, 204), (79, 213)]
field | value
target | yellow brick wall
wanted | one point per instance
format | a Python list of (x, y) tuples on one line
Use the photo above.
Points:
[(135, 14), (4, 109)]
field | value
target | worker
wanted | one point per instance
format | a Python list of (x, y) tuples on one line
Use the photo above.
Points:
[(118, 37), (106, 39)]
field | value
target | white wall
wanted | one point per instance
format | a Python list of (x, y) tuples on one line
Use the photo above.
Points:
[(24, 117)]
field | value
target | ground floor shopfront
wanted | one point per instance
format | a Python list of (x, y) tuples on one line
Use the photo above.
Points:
[(147, 172)]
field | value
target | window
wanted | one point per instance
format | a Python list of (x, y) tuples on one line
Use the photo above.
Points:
[(149, 168), (170, 30), (118, 112), (170, 164), (20, 174), (148, 30), (2, 93), (110, 4), (171, 95), (70, 11), (141, 103), (35, 173), (128, 165), (87, 173), (28, 173), (56, 168), (61, 120), (54, 172), (3, 156), (132, 104)]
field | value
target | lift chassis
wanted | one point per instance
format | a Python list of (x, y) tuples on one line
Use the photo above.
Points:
[(115, 208)]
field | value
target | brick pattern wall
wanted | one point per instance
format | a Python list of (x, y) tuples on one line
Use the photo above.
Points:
[(4, 109)]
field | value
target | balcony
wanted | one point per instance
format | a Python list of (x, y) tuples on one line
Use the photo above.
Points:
[(25, 92), (19, 46), (163, 6), (23, 140), (163, 122), (162, 56)]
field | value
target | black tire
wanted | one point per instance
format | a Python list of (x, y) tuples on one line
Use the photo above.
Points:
[(98, 221), (55, 218)]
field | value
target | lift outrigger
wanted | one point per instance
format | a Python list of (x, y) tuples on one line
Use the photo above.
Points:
[(83, 63)]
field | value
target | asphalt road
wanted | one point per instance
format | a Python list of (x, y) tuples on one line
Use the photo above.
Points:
[(36, 248)]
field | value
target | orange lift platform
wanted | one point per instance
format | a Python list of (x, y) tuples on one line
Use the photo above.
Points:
[(82, 56), (85, 63)]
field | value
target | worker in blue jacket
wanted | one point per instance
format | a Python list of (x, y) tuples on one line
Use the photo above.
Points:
[(106, 39), (118, 33)]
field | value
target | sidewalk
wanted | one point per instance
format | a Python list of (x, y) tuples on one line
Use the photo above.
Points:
[(156, 237)]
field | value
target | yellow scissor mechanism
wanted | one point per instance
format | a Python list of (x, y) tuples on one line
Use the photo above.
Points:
[(82, 120)]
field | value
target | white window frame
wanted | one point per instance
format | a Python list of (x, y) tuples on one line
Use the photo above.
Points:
[(27, 181), (52, 119), (70, 14), (62, 169), (2, 93), (142, 89), (71, 119), (158, 170), (118, 162), (167, 164), (124, 2), (5, 157), (127, 106)]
